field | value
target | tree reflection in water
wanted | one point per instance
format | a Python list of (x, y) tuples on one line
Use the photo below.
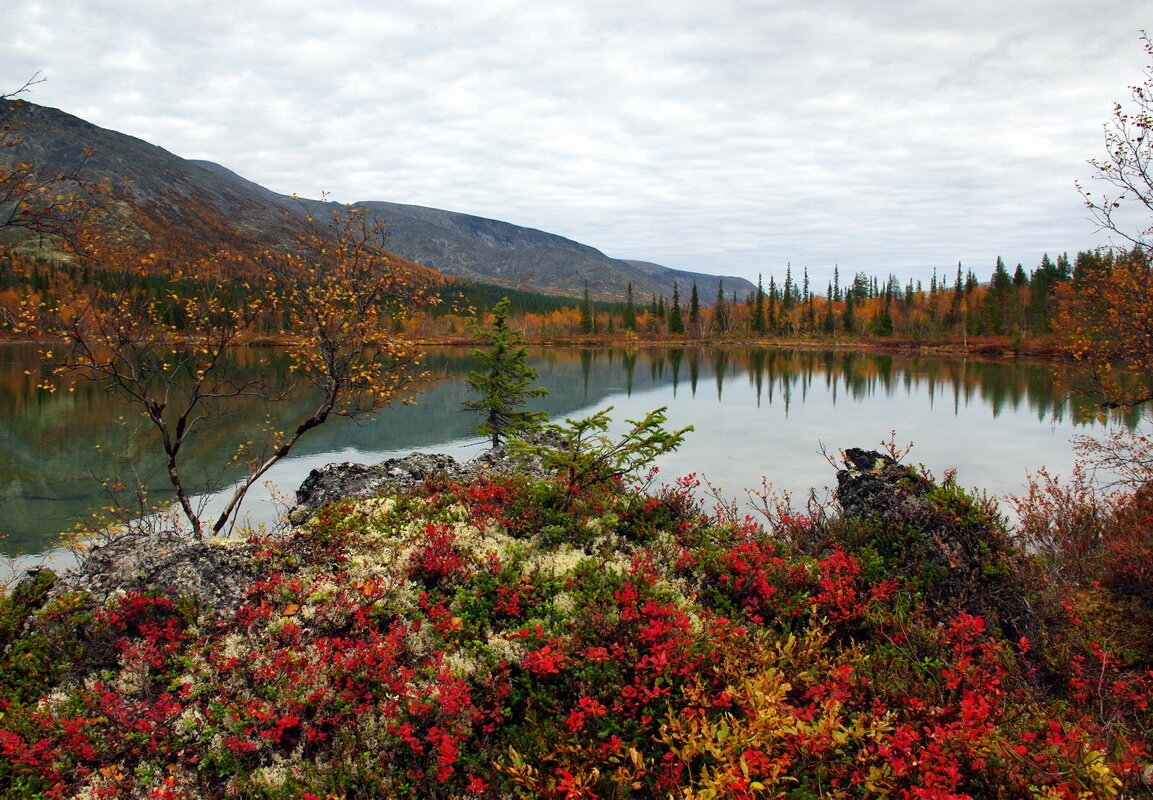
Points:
[(767, 413)]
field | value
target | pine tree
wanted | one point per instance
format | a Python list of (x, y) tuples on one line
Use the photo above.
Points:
[(504, 382), (676, 322), (630, 314), (695, 311)]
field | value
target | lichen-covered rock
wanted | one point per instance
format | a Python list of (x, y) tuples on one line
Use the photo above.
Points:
[(351, 481), (212, 572), (874, 486)]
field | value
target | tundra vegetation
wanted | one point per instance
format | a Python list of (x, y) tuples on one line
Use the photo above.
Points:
[(584, 634)]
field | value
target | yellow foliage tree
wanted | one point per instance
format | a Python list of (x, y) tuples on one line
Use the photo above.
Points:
[(164, 333), (1107, 313)]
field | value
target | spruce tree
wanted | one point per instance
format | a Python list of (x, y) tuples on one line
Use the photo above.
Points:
[(883, 322), (504, 382), (830, 323), (587, 323), (759, 308), (676, 321), (630, 314), (720, 311), (695, 311), (771, 309)]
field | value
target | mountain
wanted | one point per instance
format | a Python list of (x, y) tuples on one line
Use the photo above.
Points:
[(491, 251), (186, 200), (167, 193)]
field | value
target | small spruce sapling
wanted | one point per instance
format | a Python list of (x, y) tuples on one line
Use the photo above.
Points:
[(504, 382), (592, 459)]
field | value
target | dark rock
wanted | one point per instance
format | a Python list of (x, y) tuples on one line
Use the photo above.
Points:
[(874, 486), (952, 547)]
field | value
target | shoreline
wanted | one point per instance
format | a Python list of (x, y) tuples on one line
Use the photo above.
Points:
[(992, 347)]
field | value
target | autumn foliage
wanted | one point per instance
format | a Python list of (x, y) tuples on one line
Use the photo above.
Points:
[(514, 638), (162, 332)]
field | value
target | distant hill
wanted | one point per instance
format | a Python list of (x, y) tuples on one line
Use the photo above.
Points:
[(491, 251), (194, 200)]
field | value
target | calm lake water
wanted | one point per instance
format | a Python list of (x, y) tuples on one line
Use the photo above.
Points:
[(759, 414)]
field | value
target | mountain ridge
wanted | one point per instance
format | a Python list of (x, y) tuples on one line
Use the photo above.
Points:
[(212, 203)]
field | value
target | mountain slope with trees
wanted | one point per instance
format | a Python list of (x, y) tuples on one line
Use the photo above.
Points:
[(196, 200)]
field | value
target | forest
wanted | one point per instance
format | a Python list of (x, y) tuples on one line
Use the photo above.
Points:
[(1017, 308)]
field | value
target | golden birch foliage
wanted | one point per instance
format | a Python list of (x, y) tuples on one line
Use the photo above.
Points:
[(164, 331)]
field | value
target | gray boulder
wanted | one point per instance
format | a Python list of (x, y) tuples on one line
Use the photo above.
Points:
[(350, 481), (212, 572)]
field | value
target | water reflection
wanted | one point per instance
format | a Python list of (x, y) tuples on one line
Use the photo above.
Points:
[(787, 376), (758, 412)]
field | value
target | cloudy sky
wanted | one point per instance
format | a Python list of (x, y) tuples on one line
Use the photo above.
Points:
[(726, 136)]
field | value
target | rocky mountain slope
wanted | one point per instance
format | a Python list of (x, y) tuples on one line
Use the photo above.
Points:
[(209, 203), (491, 251)]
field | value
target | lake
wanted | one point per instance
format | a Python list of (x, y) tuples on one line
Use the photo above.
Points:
[(758, 413)]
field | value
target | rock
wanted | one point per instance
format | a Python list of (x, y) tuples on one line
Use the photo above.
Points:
[(874, 486), (506, 459), (350, 481), (212, 572), (954, 548)]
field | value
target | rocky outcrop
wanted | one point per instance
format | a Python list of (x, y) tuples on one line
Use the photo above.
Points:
[(335, 482), (212, 572), (350, 481), (953, 547), (874, 486)]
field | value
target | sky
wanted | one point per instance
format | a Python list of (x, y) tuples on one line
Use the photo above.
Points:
[(724, 136)]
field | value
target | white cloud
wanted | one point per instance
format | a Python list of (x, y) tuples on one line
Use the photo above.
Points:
[(731, 136)]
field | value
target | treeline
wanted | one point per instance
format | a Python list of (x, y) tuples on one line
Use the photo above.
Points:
[(1021, 304)]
